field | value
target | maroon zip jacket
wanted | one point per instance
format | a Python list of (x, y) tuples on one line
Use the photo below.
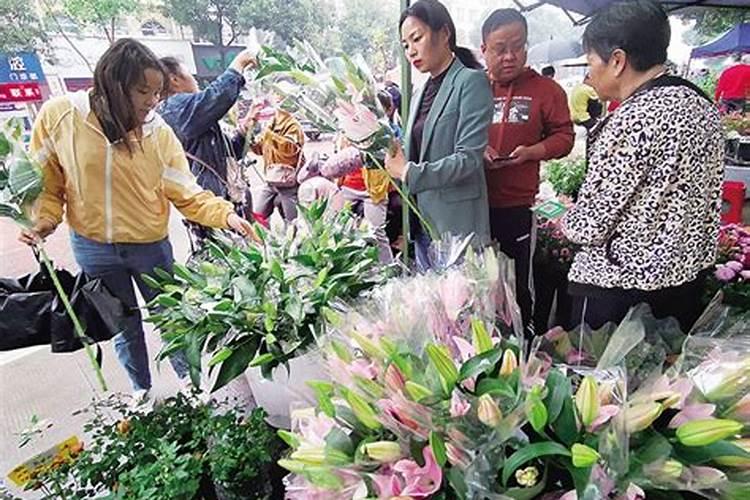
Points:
[(538, 113)]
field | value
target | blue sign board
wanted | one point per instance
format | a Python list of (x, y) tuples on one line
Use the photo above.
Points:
[(23, 67)]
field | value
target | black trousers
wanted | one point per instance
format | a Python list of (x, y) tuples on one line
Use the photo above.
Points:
[(512, 229), (597, 306)]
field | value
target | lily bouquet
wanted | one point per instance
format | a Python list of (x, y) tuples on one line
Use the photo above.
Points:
[(433, 396)]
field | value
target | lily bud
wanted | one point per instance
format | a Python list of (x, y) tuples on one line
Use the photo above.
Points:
[(584, 456), (383, 451), (319, 455), (587, 400), (488, 412), (509, 364), (733, 461), (672, 469), (362, 410), (416, 391), (707, 431), (457, 457), (444, 365), (394, 379), (310, 455), (639, 417)]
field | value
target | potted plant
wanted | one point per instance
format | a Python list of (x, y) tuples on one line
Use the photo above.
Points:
[(181, 450)]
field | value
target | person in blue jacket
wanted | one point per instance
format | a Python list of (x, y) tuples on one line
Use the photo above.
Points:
[(194, 116)]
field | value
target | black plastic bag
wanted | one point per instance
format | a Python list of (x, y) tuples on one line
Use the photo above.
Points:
[(32, 313)]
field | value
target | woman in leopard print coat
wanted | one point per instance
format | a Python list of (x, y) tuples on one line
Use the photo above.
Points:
[(648, 213)]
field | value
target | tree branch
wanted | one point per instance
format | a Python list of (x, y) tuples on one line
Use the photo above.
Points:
[(65, 36)]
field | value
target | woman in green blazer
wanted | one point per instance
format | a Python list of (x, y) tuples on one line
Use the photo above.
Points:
[(441, 163)]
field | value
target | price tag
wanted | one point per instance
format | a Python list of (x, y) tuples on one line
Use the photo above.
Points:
[(550, 209), (58, 454)]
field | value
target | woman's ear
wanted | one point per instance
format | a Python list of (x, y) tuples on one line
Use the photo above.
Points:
[(618, 61)]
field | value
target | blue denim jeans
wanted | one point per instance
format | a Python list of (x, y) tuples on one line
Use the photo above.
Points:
[(118, 265)]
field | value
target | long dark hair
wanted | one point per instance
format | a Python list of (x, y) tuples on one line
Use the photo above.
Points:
[(436, 16), (120, 68)]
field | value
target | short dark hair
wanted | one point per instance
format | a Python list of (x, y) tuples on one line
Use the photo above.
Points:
[(500, 18), (173, 67), (548, 71), (436, 16), (639, 27)]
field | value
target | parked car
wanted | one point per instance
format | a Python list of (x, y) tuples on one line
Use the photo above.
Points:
[(311, 130)]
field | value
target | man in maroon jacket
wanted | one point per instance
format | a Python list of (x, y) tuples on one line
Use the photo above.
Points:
[(531, 123)]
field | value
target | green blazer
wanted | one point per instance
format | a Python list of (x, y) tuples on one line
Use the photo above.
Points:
[(448, 180)]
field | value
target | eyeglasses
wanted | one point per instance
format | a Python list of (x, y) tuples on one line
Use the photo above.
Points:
[(515, 49)]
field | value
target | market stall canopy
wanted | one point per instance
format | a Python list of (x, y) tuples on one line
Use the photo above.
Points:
[(736, 40), (580, 11), (553, 51)]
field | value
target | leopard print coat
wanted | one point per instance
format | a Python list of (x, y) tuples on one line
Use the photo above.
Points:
[(647, 216)]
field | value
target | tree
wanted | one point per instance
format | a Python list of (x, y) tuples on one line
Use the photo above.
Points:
[(289, 19), (21, 29), (371, 29), (711, 22), (215, 21), (100, 14)]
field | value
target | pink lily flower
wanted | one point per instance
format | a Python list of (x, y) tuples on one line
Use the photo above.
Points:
[(387, 483), (454, 293), (394, 379), (692, 412), (465, 349), (356, 120), (459, 406), (535, 370), (421, 482), (313, 428), (364, 369), (606, 413)]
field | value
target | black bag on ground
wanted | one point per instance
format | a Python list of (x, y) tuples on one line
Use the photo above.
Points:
[(32, 313)]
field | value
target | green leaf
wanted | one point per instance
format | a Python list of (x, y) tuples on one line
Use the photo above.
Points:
[(496, 387), (530, 452), (262, 359), (438, 448), (235, 365), (482, 363), (220, 356), (151, 282), (276, 270), (289, 438), (565, 426), (558, 390), (655, 448), (457, 481), (696, 455), (340, 441), (167, 301), (536, 412)]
